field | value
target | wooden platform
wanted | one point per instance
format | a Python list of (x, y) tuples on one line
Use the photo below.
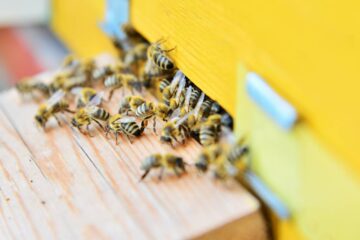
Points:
[(64, 185)]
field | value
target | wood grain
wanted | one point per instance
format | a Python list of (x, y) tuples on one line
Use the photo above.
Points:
[(64, 185)]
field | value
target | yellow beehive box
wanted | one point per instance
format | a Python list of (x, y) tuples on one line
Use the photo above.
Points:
[(307, 51)]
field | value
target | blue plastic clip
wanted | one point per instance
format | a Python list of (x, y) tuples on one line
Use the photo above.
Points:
[(117, 13), (271, 102), (270, 199)]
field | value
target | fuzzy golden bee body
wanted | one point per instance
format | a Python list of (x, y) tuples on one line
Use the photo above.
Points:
[(119, 80), (86, 115), (31, 86), (56, 104), (158, 55), (123, 124), (210, 129), (165, 161)]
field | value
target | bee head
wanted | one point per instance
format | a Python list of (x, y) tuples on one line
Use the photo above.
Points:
[(40, 120), (74, 122), (179, 162), (201, 164), (138, 86), (165, 139)]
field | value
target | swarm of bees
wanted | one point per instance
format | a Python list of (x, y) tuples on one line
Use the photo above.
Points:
[(185, 110)]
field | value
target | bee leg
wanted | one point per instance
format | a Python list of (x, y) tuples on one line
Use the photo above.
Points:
[(128, 137), (88, 130), (161, 173), (144, 175), (98, 123), (80, 130), (58, 120), (177, 173), (154, 125), (116, 138), (111, 93), (169, 50)]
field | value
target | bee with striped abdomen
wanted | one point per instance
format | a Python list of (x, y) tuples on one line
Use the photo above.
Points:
[(32, 86), (158, 55), (119, 80), (210, 130), (135, 55), (170, 90), (86, 115), (123, 124), (55, 104), (85, 95), (130, 103), (165, 161), (208, 156)]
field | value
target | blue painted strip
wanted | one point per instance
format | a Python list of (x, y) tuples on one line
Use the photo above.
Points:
[(117, 13), (272, 103), (270, 199)]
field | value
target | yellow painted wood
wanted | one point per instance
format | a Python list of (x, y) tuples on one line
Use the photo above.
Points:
[(318, 187), (308, 50), (76, 23)]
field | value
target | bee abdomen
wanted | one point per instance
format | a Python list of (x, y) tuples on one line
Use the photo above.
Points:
[(195, 94), (163, 84), (236, 153), (143, 111), (207, 135), (101, 114), (112, 81), (132, 128), (163, 61)]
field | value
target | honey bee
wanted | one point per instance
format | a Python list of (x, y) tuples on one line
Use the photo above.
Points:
[(130, 103), (31, 86), (166, 161), (123, 124), (178, 99), (163, 84), (169, 91), (136, 54), (66, 83), (132, 36), (208, 156), (175, 131), (146, 111), (159, 56), (119, 80), (210, 129), (55, 104), (89, 113), (236, 156), (84, 95)]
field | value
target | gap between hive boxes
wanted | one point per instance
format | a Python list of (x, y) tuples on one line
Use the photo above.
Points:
[(96, 183)]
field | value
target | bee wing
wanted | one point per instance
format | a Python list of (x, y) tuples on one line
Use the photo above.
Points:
[(198, 104), (96, 100), (76, 90), (126, 119), (187, 98), (56, 97), (180, 88), (90, 109), (228, 135), (183, 119), (175, 114), (178, 76)]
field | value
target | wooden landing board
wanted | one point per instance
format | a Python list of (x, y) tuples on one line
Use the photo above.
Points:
[(64, 185)]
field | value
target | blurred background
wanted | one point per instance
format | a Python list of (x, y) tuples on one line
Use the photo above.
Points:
[(27, 44)]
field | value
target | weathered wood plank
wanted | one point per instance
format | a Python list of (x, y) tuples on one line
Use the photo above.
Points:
[(91, 186)]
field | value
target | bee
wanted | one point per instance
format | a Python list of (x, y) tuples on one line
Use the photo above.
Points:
[(132, 36), (175, 131), (177, 100), (166, 161), (145, 111), (89, 113), (55, 104), (30, 86), (210, 129), (195, 95), (236, 156), (169, 91), (159, 56), (100, 73), (208, 156), (85, 94), (122, 124), (163, 84), (150, 73), (206, 108), (130, 103), (66, 83), (136, 54), (119, 80)]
